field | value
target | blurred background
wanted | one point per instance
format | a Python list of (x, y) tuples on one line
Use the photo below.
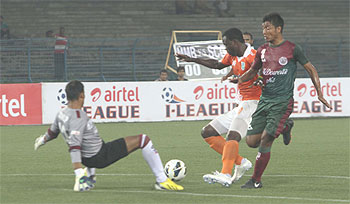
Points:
[(128, 40)]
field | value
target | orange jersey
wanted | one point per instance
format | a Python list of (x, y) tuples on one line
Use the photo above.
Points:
[(240, 65)]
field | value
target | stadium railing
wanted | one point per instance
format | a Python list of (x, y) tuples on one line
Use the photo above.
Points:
[(133, 59)]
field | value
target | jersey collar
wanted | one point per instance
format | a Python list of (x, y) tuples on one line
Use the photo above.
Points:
[(246, 52)]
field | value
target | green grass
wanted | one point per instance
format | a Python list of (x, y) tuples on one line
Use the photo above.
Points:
[(314, 168)]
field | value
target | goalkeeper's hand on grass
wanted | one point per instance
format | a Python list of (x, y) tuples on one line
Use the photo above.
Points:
[(82, 182), (39, 141)]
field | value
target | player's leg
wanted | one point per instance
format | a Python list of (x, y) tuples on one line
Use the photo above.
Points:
[(229, 155), (262, 159), (241, 117), (212, 132), (91, 174), (278, 113), (120, 148), (287, 131), (151, 155), (239, 128)]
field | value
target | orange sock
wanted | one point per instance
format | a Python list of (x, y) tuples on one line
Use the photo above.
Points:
[(229, 156), (216, 143), (238, 160)]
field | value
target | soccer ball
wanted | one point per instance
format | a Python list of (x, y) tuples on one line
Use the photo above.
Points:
[(62, 97), (175, 170), (167, 94)]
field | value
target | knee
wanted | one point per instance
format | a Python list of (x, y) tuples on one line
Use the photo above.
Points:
[(208, 131), (204, 132), (233, 135), (252, 143)]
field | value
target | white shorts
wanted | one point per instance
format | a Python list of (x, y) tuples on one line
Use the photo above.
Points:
[(237, 119)]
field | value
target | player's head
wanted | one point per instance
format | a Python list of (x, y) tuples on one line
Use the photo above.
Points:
[(75, 91), (272, 26), (248, 38), (163, 75), (233, 40)]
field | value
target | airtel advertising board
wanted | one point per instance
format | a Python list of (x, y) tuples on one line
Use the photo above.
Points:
[(20, 104), (306, 103), (145, 101), (174, 100)]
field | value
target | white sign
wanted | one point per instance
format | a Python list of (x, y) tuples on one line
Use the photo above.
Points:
[(306, 103), (213, 49), (176, 100)]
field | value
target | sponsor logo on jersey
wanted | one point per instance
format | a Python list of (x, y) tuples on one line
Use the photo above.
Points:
[(268, 72), (283, 61)]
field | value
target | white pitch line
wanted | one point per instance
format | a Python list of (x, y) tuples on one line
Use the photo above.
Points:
[(309, 176), (227, 195)]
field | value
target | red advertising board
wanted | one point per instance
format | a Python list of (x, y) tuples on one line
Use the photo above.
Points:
[(20, 104)]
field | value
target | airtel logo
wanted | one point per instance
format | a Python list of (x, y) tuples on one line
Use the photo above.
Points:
[(302, 89), (13, 108), (95, 93), (199, 92)]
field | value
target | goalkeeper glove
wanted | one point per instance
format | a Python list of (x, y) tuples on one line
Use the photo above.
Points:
[(82, 182), (39, 142)]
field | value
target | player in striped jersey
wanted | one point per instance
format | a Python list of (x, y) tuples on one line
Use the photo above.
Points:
[(87, 148), (278, 61)]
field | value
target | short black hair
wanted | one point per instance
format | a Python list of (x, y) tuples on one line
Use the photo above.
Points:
[(163, 71), (180, 68), (275, 19), (246, 33), (74, 89), (234, 34)]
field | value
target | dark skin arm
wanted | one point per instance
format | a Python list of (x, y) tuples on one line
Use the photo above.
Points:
[(250, 74), (316, 81), (227, 75), (210, 63)]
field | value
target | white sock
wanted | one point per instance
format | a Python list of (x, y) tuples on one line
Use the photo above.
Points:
[(91, 171), (154, 162)]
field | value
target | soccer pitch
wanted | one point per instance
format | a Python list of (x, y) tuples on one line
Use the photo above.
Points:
[(314, 168)]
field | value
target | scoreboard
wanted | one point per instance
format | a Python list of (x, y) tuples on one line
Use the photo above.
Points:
[(213, 49)]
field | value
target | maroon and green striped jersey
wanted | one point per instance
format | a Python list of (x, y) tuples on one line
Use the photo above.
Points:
[(279, 66)]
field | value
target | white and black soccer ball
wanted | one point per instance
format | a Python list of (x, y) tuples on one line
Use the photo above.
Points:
[(62, 97), (167, 94), (175, 169)]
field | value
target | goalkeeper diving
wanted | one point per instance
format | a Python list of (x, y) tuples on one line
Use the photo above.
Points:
[(87, 148)]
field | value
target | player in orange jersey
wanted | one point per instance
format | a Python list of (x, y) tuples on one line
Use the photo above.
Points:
[(235, 122)]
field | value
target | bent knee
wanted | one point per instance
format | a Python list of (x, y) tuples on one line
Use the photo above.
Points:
[(253, 143), (209, 131), (234, 135)]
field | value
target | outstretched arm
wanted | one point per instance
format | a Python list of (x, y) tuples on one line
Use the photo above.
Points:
[(316, 81), (210, 63), (43, 139)]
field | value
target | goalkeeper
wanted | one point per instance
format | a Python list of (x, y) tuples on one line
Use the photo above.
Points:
[(87, 148)]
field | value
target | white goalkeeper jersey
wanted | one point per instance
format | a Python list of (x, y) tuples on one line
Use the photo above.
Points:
[(78, 131)]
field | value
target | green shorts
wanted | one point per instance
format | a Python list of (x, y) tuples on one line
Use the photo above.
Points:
[(271, 116)]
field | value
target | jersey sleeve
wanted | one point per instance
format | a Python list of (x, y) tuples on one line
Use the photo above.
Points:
[(75, 137), (257, 63), (53, 131), (227, 60), (299, 55)]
